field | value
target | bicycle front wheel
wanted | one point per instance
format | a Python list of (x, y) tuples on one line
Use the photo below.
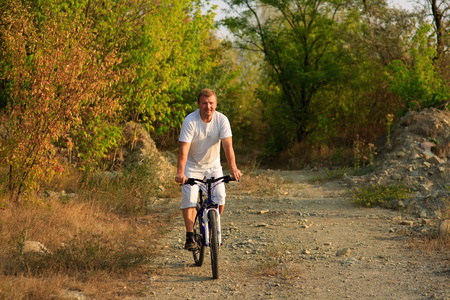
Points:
[(214, 243)]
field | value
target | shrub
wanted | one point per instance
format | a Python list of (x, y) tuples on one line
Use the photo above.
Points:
[(379, 195)]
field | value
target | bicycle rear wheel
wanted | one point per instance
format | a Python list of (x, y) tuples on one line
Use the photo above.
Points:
[(199, 252), (214, 243)]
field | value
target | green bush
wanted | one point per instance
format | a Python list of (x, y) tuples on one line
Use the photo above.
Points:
[(379, 195)]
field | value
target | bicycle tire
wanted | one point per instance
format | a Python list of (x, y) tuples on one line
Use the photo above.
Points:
[(214, 243), (199, 252)]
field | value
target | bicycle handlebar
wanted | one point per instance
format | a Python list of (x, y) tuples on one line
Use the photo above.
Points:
[(226, 179)]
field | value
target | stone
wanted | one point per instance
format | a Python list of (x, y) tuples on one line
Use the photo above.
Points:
[(72, 295), (444, 229), (400, 154), (396, 176), (36, 248), (343, 252), (426, 221), (435, 160), (414, 156), (427, 145), (407, 223)]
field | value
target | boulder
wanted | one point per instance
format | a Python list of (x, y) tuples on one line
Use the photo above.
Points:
[(444, 229), (34, 248)]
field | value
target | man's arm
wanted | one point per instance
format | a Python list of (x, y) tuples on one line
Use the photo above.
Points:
[(229, 154), (182, 158)]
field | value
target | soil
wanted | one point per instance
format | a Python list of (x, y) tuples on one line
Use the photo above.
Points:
[(306, 241)]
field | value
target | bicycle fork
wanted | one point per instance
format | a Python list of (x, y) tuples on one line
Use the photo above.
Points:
[(206, 225)]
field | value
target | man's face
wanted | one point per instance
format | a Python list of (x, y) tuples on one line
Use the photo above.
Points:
[(207, 106)]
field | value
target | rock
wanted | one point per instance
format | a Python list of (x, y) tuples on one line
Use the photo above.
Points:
[(435, 160), (396, 176), (444, 229), (305, 251), (426, 221), (427, 145), (262, 212), (343, 252), (414, 156), (401, 154), (36, 248), (171, 158), (72, 295), (407, 223)]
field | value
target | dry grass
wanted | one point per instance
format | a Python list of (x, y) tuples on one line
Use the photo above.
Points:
[(257, 182), (274, 265), (430, 240), (99, 239), (430, 244)]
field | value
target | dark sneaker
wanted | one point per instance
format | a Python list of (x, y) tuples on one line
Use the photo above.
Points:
[(190, 244)]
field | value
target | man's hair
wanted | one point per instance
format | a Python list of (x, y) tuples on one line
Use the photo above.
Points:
[(206, 93)]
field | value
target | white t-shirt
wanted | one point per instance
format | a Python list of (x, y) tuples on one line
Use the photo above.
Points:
[(204, 152)]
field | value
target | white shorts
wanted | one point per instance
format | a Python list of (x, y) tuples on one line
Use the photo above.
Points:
[(189, 193)]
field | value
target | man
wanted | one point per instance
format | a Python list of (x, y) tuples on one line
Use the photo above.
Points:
[(201, 134)]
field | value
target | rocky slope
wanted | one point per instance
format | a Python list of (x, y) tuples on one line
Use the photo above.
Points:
[(416, 155)]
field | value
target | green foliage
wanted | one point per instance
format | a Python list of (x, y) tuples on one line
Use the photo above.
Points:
[(379, 195), (171, 52), (132, 192), (298, 39), (56, 85), (74, 71), (419, 84)]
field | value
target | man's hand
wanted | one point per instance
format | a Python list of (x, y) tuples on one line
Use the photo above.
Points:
[(180, 178), (235, 173)]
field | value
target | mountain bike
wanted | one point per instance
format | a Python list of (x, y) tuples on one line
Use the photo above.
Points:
[(208, 220)]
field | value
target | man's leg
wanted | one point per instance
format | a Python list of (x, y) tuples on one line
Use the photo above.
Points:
[(221, 208), (189, 218)]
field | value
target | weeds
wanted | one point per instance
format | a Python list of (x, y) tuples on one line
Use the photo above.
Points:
[(379, 195), (106, 229), (363, 155), (333, 174), (273, 264), (389, 120), (132, 193), (261, 183)]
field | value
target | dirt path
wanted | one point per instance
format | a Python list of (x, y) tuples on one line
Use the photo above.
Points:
[(304, 242)]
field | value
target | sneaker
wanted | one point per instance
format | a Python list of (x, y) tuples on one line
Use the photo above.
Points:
[(190, 244)]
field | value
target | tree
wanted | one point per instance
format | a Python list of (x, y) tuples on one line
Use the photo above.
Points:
[(419, 84), (300, 45), (57, 92), (440, 12)]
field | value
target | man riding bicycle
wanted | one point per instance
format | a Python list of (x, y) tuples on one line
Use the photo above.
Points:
[(201, 134)]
